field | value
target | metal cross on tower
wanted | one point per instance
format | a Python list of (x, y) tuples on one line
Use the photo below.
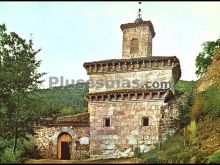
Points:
[(139, 10)]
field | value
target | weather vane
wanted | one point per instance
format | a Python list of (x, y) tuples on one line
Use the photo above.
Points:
[(139, 10)]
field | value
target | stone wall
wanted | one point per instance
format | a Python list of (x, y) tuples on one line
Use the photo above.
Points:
[(125, 79), (144, 36), (46, 141), (126, 131), (168, 121)]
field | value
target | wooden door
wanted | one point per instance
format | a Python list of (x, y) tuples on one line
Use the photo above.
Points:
[(64, 146)]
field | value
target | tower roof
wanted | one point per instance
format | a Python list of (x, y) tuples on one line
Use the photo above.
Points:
[(139, 22)]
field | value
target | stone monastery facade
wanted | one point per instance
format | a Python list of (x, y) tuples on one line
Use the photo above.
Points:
[(120, 118)]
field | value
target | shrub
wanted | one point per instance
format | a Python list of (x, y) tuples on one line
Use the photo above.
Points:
[(192, 129), (71, 111), (173, 151), (8, 157), (184, 156), (137, 152), (185, 103), (29, 148), (215, 158), (25, 149), (211, 101), (196, 108), (4, 143), (151, 156)]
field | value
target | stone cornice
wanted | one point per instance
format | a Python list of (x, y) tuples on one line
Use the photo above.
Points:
[(130, 94), (139, 23), (134, 64)]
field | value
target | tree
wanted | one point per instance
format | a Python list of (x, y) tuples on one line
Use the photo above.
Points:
[(185, 105), (204, 58), (18, 77)]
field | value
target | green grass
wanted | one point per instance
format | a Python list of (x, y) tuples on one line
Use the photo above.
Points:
[(213, 159), (183, 85)]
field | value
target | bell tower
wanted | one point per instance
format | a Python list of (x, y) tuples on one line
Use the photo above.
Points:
[(137, 38)]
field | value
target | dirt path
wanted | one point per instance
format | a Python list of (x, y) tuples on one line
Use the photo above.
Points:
[(103, 161)]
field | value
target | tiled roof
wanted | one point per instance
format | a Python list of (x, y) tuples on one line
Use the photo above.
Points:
[(77, 120), (146, 59)]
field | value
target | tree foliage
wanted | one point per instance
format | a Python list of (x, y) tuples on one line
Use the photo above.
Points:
[(67, 97), (184, 91), (205, 57), (21, 102), (18, 77)]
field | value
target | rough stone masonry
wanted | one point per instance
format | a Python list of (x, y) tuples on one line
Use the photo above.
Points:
[(122, 119), (119, 119)]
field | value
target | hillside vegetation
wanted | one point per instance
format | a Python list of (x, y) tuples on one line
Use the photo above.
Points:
[(67, 100), (197, 139)]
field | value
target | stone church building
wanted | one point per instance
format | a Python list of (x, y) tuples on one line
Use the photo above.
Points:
[(121, 117)]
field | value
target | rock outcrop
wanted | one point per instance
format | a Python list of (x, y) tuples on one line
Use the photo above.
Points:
[(212, 74)]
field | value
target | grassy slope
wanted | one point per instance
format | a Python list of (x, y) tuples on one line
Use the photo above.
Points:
[(198, 142)]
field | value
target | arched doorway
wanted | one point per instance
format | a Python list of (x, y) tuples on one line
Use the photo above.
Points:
[(64, 145)]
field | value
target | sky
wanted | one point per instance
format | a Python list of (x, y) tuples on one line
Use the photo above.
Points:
[(71, 33)]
